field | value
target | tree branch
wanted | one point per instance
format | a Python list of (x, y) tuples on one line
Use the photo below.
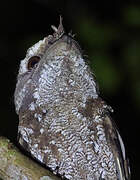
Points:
[(14, 165)]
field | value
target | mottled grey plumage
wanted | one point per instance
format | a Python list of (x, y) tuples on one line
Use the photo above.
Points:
[(63, 122)]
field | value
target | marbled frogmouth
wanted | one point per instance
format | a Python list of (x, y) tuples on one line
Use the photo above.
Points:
[(63, 122)]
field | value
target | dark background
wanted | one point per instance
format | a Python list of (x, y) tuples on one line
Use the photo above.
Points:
[(109, 32)]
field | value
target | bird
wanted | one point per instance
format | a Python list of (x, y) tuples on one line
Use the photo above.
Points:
[(63, 122)]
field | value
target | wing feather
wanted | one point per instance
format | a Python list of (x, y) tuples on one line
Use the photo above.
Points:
[(118, 149)]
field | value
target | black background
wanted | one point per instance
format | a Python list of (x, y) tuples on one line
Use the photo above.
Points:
[(23, 23)]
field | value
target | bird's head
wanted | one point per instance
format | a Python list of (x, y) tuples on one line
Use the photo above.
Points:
[(54, 72)]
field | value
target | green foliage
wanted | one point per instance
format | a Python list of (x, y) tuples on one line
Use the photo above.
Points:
[(99, 38), (132, 62), (95, 34), (132, 15), (114, 51), (106, 73)]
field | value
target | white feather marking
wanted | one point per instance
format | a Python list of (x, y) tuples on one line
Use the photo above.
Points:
[(122, 145)]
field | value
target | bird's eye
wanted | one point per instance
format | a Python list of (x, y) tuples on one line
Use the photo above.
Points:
[(32, 62)]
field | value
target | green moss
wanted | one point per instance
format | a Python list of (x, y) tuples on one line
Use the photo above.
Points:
[(20, 164)]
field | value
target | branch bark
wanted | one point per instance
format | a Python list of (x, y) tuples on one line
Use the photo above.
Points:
[(14, 165)]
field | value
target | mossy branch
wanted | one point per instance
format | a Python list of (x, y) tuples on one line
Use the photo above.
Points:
[(14, 165)]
